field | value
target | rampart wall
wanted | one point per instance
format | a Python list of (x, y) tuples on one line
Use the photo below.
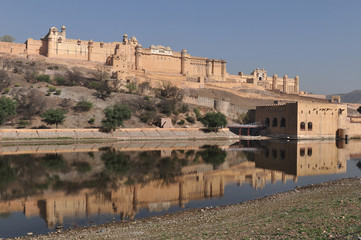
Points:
[(13, 48), (223, 106), (128, 58), (120, 135)]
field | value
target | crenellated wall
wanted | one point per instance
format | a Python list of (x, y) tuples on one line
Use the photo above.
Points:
[(128, 58)]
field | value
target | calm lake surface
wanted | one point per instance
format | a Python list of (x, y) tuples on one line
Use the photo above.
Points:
[(43, 187)]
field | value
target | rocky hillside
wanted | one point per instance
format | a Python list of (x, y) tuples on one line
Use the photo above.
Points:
[(351, 97), (40, 83)]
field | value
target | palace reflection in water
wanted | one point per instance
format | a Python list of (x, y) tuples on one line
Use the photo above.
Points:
[(57, 182)]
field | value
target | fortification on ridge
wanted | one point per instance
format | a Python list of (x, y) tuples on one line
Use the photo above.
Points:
[(128, 58)]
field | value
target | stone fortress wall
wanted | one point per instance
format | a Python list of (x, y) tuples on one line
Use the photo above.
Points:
[(128, 58), (222, 105)]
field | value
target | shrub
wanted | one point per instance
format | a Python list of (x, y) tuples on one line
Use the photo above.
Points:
[(17, 85), (181, 122), (6, 91), (94, 85), (132, 87), (53, 67), (23, 123), (83, 106), (7, 108), (190, 119), (31, 76), (359, 109), (52, 89), (114, 116), (43, 78), (59, 80), (147, 116), (184, 108), (91, 121), (57, 92), (197, 112), (213, 120), (167, 106), (73, 78), (169, 91)]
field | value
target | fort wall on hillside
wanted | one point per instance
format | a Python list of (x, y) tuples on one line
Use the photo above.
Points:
[(128, 58)]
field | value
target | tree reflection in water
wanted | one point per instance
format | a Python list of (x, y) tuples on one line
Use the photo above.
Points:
[(7, 173), (54, 162), (213, 155), (26, 175)]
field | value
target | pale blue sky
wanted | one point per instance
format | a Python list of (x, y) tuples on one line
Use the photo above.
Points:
[(319, 40)]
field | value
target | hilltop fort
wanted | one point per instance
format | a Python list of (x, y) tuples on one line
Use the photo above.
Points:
[(129, 58)]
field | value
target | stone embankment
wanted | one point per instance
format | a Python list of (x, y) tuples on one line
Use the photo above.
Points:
[(126, 134)]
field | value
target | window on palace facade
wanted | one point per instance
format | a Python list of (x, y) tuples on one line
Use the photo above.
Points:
[(309, 126), (283, 154), (274, 122), (309, 151), (302, 126), (274, 153), (302, 152), (283, 122)]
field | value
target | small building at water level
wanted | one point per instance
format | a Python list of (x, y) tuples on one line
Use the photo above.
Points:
[(305, 120)]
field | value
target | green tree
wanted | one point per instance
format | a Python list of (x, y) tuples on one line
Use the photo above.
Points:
[(115, 115), (7, 108), (213, 120), (7, 38), (54, 116)]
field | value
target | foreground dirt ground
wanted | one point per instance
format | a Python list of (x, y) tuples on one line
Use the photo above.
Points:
[(329, 210)]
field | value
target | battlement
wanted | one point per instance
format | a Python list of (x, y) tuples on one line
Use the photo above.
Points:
[(128, 58)]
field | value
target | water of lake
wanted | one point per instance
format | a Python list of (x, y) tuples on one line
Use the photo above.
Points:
[(43, 187)]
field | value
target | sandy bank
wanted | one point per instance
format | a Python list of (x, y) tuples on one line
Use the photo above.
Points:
[(327, 211)]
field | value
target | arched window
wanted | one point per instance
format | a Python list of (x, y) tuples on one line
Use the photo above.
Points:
[(302, 152), (266, 122), (309, 126), (283, 154), (283, 122), (274, 122), (309, 151), (274, 153), (303, 126)]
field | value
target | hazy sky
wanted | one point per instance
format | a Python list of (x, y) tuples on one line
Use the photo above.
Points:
[(319, 40)]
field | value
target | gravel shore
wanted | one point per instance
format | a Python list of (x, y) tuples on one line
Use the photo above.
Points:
[(330, 210)]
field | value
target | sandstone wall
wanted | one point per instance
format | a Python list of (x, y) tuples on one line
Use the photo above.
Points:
[(120, 135), (161, 63), (230, 110), (13, 48)]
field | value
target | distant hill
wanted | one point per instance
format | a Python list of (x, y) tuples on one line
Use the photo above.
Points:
[(351, 97)]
